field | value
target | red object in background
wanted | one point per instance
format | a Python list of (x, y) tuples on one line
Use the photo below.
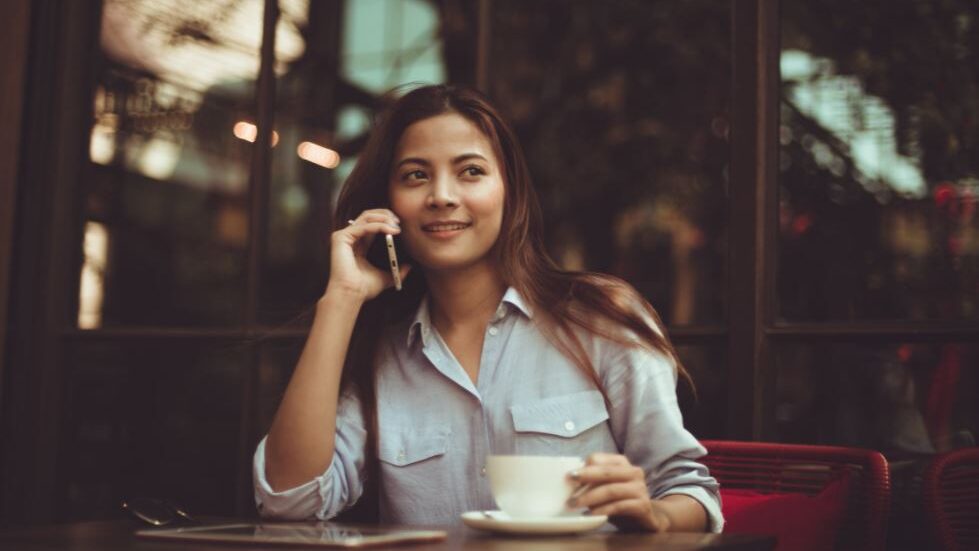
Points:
[(800, 522), (944, 193), (808, 471), (801, 224), (950, 496), (904, 353)]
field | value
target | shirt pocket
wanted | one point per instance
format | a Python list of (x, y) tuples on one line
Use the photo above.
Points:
[(571, 424), (407, 446), (413, 462)]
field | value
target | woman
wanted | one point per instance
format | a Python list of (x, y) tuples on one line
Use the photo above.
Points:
[(490, 348)]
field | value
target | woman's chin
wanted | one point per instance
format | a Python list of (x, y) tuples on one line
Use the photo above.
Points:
[(448, 264)]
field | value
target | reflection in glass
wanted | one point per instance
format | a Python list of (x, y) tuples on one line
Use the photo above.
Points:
[(704, 409), (879, 164), (168, 179), (902, 399), (96, 250), (623, 109)]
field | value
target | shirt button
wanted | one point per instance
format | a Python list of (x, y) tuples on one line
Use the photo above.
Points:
[(493, 331), (569, 425), (401, 455), (482, 472), (500, 312)]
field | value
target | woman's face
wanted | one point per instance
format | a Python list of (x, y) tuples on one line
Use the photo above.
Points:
[(447, 188)]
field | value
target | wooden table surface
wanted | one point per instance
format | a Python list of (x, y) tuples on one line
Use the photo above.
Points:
[(119, 535)]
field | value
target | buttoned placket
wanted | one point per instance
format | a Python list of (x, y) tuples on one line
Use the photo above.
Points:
[(489, 360)]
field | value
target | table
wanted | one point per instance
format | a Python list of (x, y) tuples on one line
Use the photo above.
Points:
[(118, 535)]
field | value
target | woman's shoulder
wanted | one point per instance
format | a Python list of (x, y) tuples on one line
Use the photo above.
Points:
[(613, 308)]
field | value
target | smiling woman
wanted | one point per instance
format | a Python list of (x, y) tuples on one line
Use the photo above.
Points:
[(490, 348), (447, 189)]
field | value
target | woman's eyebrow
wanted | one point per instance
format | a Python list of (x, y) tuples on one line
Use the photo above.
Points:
[(456, 160), (416, 160), (467, 157)]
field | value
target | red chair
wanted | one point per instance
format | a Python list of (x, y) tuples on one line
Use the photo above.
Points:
[(950, 491), (800, 480)]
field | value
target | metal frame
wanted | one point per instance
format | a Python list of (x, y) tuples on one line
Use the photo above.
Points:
[(754, 127), (63, 40), (14, 37)]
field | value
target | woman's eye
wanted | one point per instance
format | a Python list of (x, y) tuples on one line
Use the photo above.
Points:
[(413, 175), (474, 171)]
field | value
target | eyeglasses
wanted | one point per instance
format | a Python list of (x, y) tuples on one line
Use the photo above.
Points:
[(158, 512)]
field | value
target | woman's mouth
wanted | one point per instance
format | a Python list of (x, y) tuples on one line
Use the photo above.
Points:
[(445, 226), (445, 229)]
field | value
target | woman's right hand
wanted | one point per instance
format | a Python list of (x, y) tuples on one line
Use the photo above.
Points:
[(350, 271)]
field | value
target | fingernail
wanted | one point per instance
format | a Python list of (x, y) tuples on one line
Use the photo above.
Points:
[(574, 474)]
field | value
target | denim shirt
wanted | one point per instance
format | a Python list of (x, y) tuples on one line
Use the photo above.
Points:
[(437, 426)]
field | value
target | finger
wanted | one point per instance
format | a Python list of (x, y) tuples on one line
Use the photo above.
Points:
[(374, 215), (402, 270), (385, 216), (601, 458), (625, 507), (581, 489), (607, 473), (607, 493), (359, 236), (362, 229)]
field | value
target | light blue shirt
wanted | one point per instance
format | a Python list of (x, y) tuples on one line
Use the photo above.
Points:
[(437, 426)]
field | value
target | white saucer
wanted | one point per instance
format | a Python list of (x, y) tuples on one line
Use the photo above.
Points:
[(498, 521)]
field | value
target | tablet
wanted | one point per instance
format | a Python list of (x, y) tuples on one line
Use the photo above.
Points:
[(318, 534)]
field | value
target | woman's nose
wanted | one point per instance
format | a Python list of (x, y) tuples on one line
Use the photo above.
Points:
[(443, 194)]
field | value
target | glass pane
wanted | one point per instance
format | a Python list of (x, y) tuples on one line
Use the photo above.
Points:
[(623, 110), (327, 92), (879, 161), (705, 406), (165, 200), (151, 419), (902, 399)]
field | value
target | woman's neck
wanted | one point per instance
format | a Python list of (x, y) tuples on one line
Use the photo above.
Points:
[(464, 297)]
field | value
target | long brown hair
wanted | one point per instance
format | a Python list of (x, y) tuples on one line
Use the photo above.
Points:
[(563, 301)]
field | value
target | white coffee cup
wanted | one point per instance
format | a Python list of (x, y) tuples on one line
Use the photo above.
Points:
[(532, 485)]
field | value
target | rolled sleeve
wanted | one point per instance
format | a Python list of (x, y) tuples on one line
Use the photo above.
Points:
[(648, 426), (325, 496)]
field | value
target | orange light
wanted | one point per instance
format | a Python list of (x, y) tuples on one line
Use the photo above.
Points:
[(246, 131), (319, 155), (249, 132)]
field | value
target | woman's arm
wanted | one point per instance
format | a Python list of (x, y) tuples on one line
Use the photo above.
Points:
[(659, 456), (617, 488), (300, 442)]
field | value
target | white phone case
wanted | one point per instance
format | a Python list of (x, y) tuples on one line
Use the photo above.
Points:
[(393, 259)]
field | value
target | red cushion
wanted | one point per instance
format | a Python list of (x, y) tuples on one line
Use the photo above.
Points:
[(799, 521)]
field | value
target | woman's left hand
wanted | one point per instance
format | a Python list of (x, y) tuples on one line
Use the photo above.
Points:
[(615, 487)]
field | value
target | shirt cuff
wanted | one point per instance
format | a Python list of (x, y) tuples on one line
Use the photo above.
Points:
[(298, 503), (710, 501)]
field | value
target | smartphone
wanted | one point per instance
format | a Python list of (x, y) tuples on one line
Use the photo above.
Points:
[(393, 261)]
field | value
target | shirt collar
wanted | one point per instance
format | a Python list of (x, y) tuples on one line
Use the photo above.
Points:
[(422, 323)]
